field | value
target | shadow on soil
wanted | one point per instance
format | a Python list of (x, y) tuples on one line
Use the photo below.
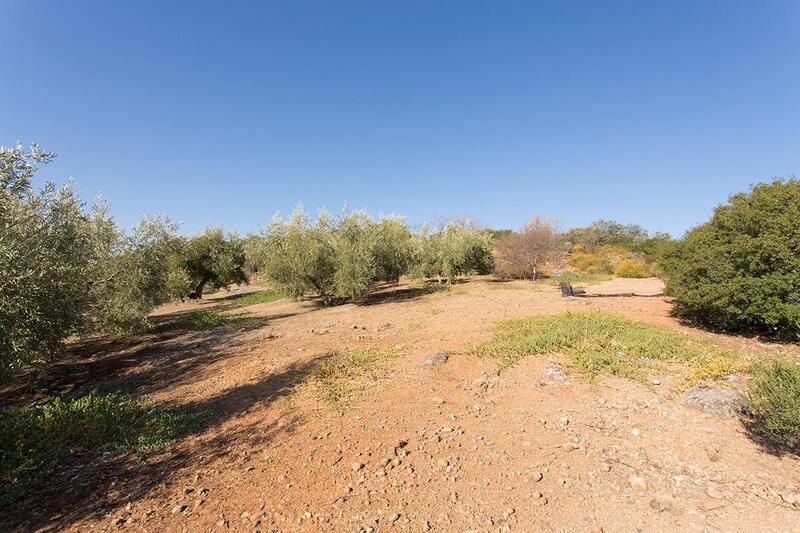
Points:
[(99, 487)]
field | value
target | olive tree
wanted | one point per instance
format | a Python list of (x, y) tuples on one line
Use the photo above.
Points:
[(46, 254), (332, 257), (213, 256), (457, 249), (68, 270)]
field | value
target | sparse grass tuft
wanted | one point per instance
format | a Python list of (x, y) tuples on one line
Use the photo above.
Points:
[(601, 343), (338, 377), (254, 298), (774, 401), (33, 440), (205, 320)]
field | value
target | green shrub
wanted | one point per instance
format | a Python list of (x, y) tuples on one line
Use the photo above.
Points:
[(632, 268), (602, 343), (34, 440), (741, 270), (774, 401)]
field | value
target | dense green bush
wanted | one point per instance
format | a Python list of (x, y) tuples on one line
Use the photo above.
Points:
[(34, 439), (741, 270), (774, 401)]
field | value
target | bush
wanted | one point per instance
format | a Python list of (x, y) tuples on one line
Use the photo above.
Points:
[(33, 440), (632, 268), (774, 401), (522, 254), (741, 270), (602, 260)]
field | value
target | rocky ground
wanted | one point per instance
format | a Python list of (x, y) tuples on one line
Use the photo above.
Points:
[(426, 443)]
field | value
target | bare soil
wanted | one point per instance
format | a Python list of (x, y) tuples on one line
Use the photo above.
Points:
[(454, 447)]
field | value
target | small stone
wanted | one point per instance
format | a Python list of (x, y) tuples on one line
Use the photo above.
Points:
[(537, 476), (656, 381), (179, 508), (539, 499), (637, 482), (442, 462), (188, 490), (394, 518), (662, 502), (437, 359), (356, 466), (563, 421), (635, 432)]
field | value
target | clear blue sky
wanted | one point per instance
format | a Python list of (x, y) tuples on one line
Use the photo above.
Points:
[(645, 112)]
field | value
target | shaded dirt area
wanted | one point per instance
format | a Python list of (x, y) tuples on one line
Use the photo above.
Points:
[(454, 447)]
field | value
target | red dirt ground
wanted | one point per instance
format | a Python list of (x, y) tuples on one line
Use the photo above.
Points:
[(455, 448)]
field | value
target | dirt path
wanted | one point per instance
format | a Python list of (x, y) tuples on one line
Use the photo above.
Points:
[(453, 447)]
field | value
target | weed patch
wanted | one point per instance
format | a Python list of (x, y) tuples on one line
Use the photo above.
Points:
[(33, 440), (205, 320), (601, 343), (338, 377), (255, 298), (774, 401)]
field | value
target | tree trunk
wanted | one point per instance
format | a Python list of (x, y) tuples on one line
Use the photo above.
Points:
[(198, 291), (533, 276)]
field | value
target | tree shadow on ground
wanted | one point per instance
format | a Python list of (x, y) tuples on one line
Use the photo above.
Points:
[(92, 486), (393, 293)]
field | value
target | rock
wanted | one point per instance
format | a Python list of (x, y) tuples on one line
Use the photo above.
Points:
[(637, 482), (356, 466), (556, 373), (662, 502), (725, 403), (435, 360), (713, 454), (539, 499), (179, 508), (394, 518), (635, 432), (537, 476), (656, 381)]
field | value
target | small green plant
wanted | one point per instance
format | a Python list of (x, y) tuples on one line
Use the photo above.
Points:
[(601, 343), (205, 320), (33, 440), (338, 376), (255, 298), (774, 401)]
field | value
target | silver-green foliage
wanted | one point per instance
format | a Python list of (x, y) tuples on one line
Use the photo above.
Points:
[(456, 250), (67, 270), (331, 257)]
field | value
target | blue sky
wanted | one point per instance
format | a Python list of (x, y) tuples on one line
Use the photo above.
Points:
[(223, 113)]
